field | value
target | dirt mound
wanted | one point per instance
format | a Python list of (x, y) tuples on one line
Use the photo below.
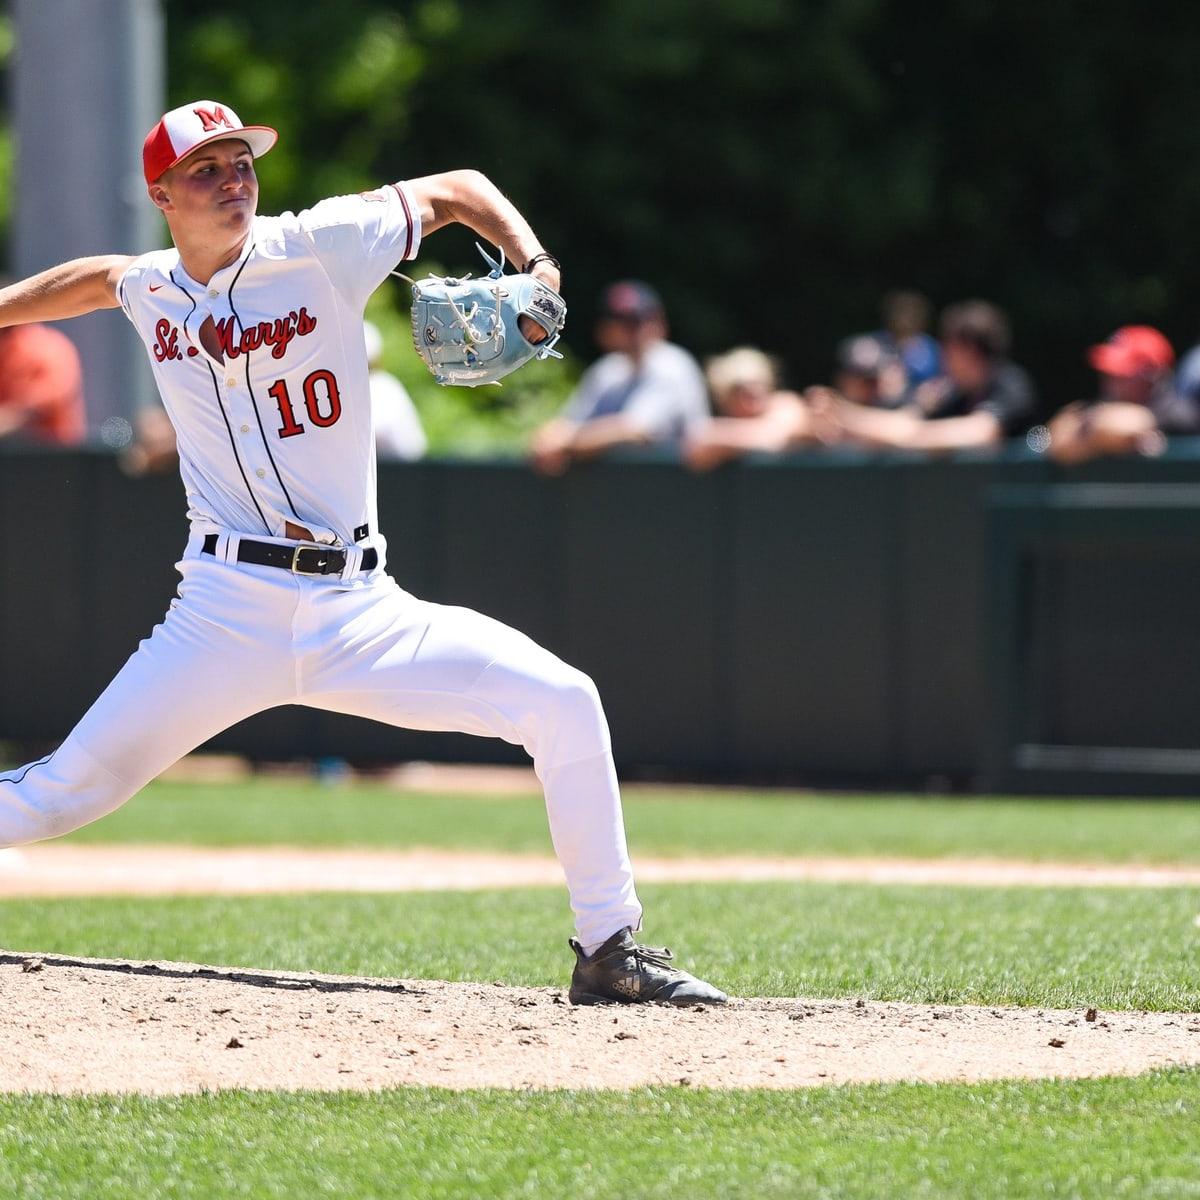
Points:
[(74, 1025)]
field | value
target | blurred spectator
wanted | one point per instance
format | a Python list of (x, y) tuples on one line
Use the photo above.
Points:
[(398, 431), (642, 390), (867, 371), (981, 399), (41, 387), (1187, 375), (753, 414), (906, 319), (1137, 407)]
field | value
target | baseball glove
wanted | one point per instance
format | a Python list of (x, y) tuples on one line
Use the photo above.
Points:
[(466, 329)]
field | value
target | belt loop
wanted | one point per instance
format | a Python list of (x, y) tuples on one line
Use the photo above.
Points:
[(227, 548)]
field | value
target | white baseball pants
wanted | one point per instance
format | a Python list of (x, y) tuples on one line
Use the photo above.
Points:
[(239, 639)]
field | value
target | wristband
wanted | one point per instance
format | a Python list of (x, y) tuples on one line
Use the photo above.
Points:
[(543, 256)]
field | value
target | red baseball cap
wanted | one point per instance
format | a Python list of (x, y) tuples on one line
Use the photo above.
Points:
[(190, 126), (1133, 350)]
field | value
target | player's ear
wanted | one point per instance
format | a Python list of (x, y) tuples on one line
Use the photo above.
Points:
[(159, 196)]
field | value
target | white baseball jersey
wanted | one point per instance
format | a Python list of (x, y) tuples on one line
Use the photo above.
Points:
[(281, 429)]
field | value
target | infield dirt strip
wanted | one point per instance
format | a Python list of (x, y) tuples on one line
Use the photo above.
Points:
[(71, 1025)]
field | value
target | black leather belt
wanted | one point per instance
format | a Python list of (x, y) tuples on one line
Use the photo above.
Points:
[(303, 559)]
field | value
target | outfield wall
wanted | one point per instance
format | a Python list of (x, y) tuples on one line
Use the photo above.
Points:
[(829, 619)]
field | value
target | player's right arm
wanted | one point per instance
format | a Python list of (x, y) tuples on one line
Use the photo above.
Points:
[(472, 199), (71, 289)]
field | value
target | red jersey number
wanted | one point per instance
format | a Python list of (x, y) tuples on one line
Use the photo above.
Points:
[(322, 402)]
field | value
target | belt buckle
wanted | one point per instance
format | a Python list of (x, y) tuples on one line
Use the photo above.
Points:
[(319, 569)]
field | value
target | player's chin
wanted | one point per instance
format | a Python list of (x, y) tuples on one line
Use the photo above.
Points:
[(237, 221)]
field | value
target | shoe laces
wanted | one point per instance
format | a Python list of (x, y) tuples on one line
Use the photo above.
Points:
[(658, 956)]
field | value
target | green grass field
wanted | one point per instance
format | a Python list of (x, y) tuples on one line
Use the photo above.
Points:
[(302, 812), (1109, 947)]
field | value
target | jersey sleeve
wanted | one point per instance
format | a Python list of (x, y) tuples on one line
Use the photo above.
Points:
[(130, 285), (360, 239)]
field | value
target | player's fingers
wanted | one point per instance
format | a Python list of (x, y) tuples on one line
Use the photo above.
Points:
[(532, 330)]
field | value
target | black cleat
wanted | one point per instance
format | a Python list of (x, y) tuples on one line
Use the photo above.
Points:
[(622, 972)]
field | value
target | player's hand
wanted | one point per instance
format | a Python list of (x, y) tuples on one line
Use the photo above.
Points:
[(549, 274), (532, 331)]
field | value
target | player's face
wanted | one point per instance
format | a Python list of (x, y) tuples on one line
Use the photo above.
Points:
[(213, 189)]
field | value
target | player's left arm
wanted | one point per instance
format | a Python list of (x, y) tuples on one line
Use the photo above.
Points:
[(71, 289), (470, 198)]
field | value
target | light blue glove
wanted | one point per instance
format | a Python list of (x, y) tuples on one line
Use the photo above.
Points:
[(466, 329)]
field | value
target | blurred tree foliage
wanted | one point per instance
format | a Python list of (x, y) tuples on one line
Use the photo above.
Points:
[(343, 86), (773, 166)]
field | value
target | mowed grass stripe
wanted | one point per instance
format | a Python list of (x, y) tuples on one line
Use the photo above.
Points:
[(667, 822), (998, 1141), (1061, 948)]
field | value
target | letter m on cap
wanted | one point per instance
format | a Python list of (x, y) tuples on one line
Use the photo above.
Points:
[(211, 118)]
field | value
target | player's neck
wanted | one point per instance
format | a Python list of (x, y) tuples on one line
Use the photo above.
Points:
[(202, 260)]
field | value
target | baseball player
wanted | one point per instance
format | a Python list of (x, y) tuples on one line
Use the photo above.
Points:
[(254, 330)]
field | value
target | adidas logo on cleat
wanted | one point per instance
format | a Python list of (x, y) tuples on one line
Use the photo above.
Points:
[(630, 986)]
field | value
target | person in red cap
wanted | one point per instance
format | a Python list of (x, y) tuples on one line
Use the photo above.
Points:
[(254, 330), (1137, 406)]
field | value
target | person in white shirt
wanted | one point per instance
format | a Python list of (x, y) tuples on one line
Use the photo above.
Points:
[(398, 430), (644, 390)]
